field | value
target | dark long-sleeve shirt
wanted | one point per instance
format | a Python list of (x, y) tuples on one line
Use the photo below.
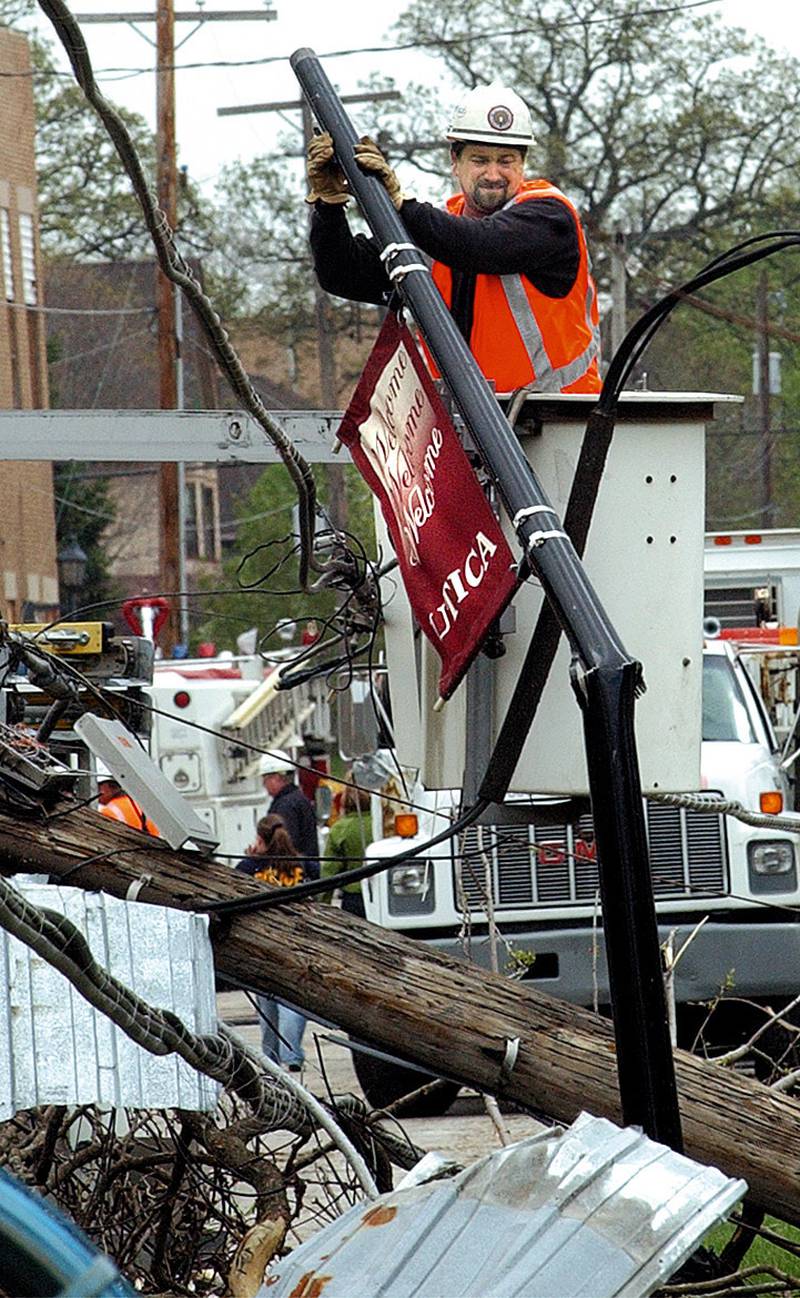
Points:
[(297, 814), (537, 239)]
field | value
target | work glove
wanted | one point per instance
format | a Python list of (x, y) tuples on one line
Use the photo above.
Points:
[(326, 180), (371, 160)]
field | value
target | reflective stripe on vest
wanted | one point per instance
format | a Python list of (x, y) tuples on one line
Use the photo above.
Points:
[(538, 321), (547, 377)]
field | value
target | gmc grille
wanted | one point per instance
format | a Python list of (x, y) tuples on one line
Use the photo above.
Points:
[(556, 865)]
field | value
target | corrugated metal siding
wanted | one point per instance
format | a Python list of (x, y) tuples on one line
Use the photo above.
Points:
[(596, 1212), (55, 1048)]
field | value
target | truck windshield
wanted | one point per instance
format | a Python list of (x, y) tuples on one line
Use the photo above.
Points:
[(725, 715)]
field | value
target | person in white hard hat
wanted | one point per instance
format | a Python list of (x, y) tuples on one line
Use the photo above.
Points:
[(509, 254), (290, 803)]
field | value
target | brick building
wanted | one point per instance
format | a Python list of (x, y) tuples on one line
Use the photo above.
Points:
[(28, 575)]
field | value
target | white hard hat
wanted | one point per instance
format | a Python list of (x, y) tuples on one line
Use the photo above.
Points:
[(101, 772), (491, 114), (275, 763)]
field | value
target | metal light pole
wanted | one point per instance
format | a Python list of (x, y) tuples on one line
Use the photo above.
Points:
[(71, 563)]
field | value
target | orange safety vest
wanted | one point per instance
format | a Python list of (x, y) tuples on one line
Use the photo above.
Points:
[(123, 808), (523, 338)]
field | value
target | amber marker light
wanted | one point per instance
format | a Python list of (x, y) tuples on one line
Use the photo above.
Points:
[(406, 824), (771, 802)]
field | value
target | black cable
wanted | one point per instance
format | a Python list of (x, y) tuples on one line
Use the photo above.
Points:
[(637, 339), (433, 43), (148, 844), (246, 905), (298, 766)]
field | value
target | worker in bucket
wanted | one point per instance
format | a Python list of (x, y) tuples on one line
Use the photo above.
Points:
[(509, 255), (116, 804)]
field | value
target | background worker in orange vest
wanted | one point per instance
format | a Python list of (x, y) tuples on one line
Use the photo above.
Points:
[(509, 254), (116, 804)]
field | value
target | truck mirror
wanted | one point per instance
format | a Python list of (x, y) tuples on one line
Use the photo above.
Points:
[(357, 720), (323, 801)]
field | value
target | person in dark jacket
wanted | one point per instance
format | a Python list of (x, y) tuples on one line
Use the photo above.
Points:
[(291, 804), (272, 860)]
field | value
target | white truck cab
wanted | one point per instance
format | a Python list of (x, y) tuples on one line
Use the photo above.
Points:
[(543, 877)]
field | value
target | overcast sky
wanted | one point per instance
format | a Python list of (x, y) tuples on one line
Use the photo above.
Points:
[(207, 141)]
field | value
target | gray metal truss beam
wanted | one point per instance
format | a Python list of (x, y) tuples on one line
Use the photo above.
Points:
[(165, 436)]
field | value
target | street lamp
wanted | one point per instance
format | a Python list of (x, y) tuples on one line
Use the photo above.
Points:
[(71, 561)]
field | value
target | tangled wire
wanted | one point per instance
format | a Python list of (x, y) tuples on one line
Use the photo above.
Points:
[(178, 1198)]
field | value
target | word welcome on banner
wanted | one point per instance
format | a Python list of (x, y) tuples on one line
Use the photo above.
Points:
[(456, 565)]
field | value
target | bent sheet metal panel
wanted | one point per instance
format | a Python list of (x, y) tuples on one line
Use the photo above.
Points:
[(55, 1048), (595, 1212)]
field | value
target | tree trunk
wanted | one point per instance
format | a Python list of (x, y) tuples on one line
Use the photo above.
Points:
[(450, 1017)]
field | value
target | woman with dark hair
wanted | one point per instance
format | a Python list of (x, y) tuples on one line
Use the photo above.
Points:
[(273, 860), (348, 839)]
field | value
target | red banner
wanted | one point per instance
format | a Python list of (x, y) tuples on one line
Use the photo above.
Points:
[(456, 565)]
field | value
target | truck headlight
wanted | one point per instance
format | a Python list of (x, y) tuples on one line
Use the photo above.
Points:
[(411, 889), (771, 865), (409, 880)]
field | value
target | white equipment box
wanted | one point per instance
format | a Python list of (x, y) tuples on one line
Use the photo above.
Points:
[(644, 557)]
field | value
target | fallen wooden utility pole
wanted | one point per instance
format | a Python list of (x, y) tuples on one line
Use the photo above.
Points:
[(451, 1017)]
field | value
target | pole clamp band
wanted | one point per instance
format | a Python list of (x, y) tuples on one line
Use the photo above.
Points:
[(400, 272), (137, 885), (392, 249), (509, 1060), (529, 511), (538, 538)]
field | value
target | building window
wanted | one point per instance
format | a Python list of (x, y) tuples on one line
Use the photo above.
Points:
[(202, 539), (210, 536), (28, 252), (5, 251), (191, 539)]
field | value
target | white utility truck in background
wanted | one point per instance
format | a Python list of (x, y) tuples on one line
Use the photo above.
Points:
[(210, 716), (541, 880), (530, 866), (203, 721), (752, 578), (752, 597)]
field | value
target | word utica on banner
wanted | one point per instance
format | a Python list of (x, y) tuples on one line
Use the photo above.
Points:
[(456, 565)]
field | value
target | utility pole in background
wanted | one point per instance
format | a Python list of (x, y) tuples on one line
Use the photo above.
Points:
[(172, 506), (171, 549), (762, 371), (334, 473), (619, 290)]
